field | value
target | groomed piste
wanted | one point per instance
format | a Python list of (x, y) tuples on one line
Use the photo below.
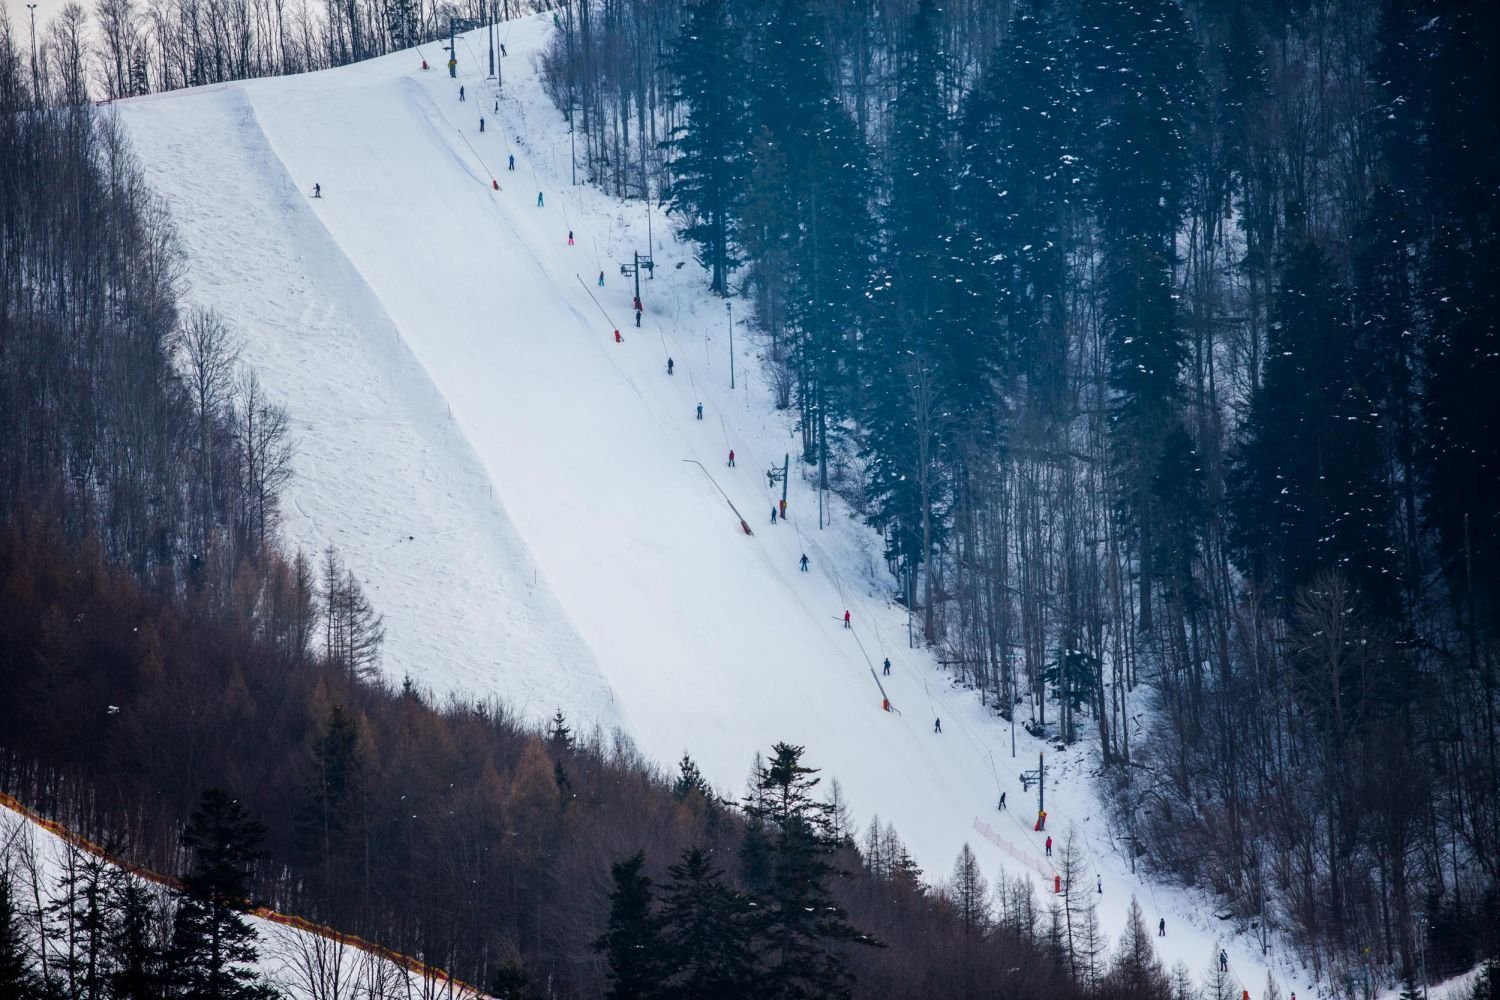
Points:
[(533, 503)]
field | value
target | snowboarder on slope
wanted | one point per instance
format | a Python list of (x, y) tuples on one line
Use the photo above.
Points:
[(804, 562), (846, 620)]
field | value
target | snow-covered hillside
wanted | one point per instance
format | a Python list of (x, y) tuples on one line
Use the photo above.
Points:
[(534, 506)]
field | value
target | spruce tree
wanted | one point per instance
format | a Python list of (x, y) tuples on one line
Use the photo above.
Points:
[(796, 923), (1136, 971), (134, 948), (632, 944), (706, 931), (213, 947), (710, 146), (331, 804), (16, 978)]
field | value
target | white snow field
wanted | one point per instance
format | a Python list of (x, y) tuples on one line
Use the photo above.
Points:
[(532, 505)]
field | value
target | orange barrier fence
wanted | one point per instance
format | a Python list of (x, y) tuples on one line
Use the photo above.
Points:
[(406, 962), (983, 829)]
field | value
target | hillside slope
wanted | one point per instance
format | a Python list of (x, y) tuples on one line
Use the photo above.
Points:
[(533, 505)]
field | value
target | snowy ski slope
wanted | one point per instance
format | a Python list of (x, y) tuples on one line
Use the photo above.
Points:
[(533, 506)]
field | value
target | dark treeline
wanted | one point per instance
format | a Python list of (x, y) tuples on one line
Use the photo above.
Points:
[(126, 48), (155, 643), (457, 834), (1161, 341)]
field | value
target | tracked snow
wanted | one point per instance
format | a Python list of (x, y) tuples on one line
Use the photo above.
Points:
[(533, 504)]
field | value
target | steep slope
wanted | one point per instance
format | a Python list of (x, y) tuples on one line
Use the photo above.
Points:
[(534, 505)]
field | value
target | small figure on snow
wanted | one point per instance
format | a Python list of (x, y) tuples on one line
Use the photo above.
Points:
[(669, 366), (601, 279), (1161, 931), (619, 339), (481, 123), (539, 199), (773, 517), (502, 49), (846, 620), (731, 458), (460, 93), (1002, 801), (570, 237), (1099, 883), (637, 317), (803, 562), (1049, 845), (700, 411), (317, 190), (937, 725), (1223, 960), (511, 162), (887, 670)]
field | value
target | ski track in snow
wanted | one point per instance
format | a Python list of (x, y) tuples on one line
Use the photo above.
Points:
[(516, 490)]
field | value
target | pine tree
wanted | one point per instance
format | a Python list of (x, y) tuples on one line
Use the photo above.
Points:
[(1310, 495), (134, 948), (789, 847), (332, 802), (710, 146), (1139, 79), (706, 933), (689, 779), (559, 735), (213, 947), (1017, 181), (16, 978), (632, 944)]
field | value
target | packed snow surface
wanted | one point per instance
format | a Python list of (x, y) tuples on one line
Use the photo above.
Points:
[(533, 504)]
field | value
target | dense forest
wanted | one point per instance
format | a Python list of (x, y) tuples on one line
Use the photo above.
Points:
[(205, 706), (1160, 341)]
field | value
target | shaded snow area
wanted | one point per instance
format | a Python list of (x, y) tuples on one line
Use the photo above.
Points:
[(533, 506), (300, 964)]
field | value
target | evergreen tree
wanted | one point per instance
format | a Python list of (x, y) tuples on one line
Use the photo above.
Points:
[(1310, 494), (1138, 74), (689, 779), (710, 146), (134, 948), (213, 947), (632, 944), (706, 930), (560, 736), (332, 802), (16, 978), (790, 846), (1017, 180)]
